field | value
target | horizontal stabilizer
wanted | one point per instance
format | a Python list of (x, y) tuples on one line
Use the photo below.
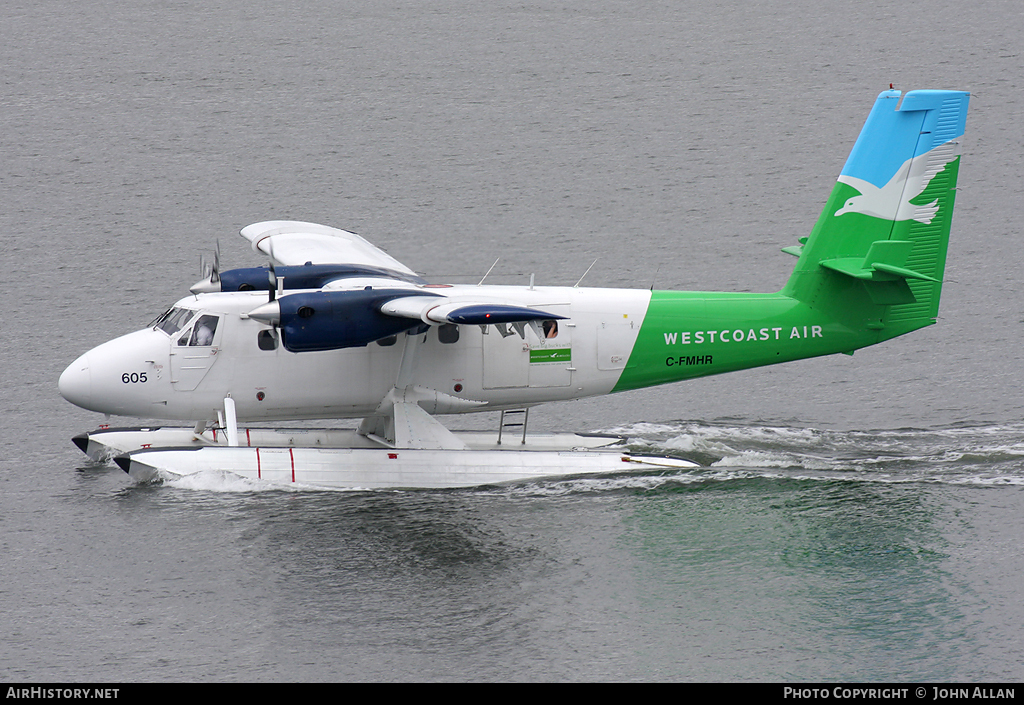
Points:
[(882, 271), (884, 262)]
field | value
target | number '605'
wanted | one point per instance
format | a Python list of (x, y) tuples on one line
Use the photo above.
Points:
[(133, 377)]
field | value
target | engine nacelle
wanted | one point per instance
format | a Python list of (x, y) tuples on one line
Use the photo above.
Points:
[(330, 320)]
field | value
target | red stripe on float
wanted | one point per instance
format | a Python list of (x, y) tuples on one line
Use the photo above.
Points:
[(259, 475)]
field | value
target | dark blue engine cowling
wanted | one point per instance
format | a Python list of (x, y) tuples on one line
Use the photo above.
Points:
[(330, 320), (304, 276)]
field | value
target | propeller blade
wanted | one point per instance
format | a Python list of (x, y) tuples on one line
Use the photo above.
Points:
[(215, 272), (272, 275), (210, 274)]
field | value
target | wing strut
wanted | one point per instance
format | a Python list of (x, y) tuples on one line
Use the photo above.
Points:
[(227, 419), (403, 420)]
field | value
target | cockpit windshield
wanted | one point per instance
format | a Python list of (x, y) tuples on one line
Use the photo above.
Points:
[(172, 320)]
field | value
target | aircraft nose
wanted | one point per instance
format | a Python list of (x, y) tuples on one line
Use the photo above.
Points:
[(75, 383)]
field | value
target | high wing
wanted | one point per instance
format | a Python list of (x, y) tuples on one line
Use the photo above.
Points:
[(291, 242), (353, 293)]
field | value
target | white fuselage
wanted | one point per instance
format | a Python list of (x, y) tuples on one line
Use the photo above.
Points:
[(172, 371)]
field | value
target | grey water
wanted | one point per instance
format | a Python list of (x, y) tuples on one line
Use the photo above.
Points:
[(856, 518)]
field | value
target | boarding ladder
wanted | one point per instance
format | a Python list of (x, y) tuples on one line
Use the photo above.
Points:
[(513, 422)]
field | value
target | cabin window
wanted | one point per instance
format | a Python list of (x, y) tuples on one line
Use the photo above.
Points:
[(266, 340), (550, 328), (388, 341), (448, 333), (202, 334)]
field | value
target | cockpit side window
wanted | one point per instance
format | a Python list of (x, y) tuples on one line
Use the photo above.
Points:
[(202, 334)]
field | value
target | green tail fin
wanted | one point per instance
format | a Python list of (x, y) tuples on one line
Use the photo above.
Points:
[(877, 254)]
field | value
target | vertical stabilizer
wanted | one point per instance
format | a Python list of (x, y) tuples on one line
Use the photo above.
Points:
[(877, 254)]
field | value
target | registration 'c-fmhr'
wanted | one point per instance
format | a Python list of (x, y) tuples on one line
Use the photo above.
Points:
[(335, 328)]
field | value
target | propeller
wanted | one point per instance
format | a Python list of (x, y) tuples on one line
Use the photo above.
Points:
[(270, 312), (276, 285), (210, 273)]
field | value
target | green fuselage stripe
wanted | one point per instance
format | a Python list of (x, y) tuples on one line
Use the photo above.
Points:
[(694, 334)]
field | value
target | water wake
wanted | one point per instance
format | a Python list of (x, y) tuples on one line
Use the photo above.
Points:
[(983, 455)]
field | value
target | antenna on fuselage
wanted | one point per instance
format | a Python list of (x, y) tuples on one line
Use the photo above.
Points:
[(488, 272), (576, 285)]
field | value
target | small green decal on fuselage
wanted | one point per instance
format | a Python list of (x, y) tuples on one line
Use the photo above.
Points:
[(551, 355)]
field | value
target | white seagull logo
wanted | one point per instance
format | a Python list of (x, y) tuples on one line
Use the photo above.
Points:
[(893, 201)]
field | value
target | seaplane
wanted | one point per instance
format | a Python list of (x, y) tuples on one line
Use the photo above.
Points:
[(335, 328)]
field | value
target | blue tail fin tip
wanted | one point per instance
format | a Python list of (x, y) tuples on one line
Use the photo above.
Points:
[(897, 131)]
